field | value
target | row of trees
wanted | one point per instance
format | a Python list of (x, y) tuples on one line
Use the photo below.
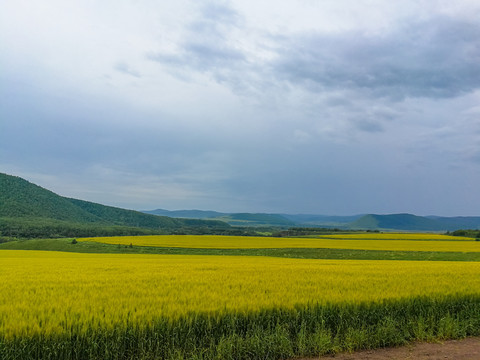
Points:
[(467, 233), (304, 231), (23, 228)]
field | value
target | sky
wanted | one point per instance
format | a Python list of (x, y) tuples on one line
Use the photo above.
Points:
[(335, 107)]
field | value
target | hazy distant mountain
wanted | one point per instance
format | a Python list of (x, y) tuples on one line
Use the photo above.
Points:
[(186, 214), (399, 222), (409, 222), (257, 219), (28, 208), (321, 220), (238, 219), (458, 222)]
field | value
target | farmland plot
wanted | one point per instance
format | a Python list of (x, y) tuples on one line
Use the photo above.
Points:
[(168, 306)]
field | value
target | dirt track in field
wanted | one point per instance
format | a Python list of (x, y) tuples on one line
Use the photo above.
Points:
[(465, 349)]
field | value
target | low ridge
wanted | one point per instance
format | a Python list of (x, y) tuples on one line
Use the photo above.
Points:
[(27, 209)]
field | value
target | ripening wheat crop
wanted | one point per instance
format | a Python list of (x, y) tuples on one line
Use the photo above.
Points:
[(395, 243), (49, 293), (396, 236)]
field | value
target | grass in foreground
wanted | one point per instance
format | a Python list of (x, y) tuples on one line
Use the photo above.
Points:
[(77, 306)]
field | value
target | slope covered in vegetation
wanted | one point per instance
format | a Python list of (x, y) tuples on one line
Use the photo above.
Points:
[(28, 210)]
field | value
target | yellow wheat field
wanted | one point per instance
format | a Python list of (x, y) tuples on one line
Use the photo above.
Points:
[(396, 236), (51, 292), (244, 242)]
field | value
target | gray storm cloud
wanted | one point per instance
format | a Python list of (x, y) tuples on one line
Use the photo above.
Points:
[(235, 106), (435, 58)]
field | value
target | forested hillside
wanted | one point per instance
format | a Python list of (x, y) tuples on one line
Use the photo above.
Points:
[(28, 210)]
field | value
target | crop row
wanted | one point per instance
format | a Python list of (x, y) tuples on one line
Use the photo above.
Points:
[(342, 242), (266, 334)]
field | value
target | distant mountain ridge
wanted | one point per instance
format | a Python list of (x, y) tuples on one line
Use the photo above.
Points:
[(24, 205), (405, 222), (322, 220), (186, 214), (390, 222), (239, 219)]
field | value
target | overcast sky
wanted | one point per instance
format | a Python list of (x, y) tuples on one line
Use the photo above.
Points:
[(299, 106)]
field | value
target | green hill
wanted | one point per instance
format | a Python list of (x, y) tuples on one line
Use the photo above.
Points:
[(20, 198), (28, 210), (407, 222)]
